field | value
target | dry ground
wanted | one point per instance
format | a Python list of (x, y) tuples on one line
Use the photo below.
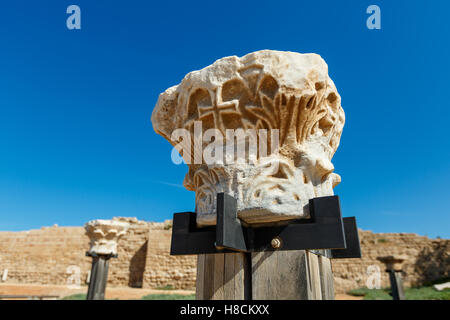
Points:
[(122, 293)]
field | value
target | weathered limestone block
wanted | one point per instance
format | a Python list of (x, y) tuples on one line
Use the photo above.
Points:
[(104, 235), (288, 94)]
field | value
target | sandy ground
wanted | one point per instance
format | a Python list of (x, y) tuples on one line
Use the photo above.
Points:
[(122, 293)]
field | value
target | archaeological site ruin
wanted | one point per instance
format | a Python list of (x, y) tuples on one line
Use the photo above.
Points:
[(258, 134), (45, 256)]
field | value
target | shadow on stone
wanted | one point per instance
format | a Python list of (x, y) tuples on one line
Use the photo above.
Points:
[(137, 267), (433, 263)]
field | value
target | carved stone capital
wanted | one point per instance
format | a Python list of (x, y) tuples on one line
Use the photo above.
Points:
[(394, 262), (104, 235), (288, 94)]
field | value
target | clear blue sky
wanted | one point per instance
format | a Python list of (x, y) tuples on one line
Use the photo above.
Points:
[(76, 141)]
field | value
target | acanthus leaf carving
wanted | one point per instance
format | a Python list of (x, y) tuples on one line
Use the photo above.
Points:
[(287, 92)]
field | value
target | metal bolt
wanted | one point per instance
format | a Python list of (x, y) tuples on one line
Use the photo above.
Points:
[(276, 243)]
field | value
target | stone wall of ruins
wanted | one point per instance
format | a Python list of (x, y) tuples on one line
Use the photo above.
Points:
[(427, 259), (46, 255)]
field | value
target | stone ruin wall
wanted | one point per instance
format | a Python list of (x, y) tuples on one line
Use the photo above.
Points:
[(43, 256), (427, 259)]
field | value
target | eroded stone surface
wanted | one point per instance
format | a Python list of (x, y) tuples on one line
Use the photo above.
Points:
[(267, 89), (104, 235)]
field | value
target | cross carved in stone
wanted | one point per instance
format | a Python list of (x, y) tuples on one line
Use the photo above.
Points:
[(217, 110)]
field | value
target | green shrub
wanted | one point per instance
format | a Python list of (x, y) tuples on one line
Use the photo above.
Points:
[(420, 293), (169, 297), (371, 294), (166, 287), (427, 293), (77, 296)]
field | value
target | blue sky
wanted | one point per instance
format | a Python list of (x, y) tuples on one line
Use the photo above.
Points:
[(76, 141)]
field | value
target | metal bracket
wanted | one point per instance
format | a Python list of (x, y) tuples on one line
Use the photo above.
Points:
[(325, 229)]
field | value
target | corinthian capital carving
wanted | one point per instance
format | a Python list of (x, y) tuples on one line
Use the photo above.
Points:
[(104, 235), (292, 106)]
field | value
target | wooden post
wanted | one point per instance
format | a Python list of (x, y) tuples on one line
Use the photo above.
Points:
[(275, 275), (326, 278)]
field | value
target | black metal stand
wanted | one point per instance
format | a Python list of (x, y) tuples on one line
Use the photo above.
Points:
[(99, 276), (325, 232)]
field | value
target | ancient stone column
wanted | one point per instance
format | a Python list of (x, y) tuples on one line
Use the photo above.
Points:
[(394, 268), (104, 235), (262, 128)]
